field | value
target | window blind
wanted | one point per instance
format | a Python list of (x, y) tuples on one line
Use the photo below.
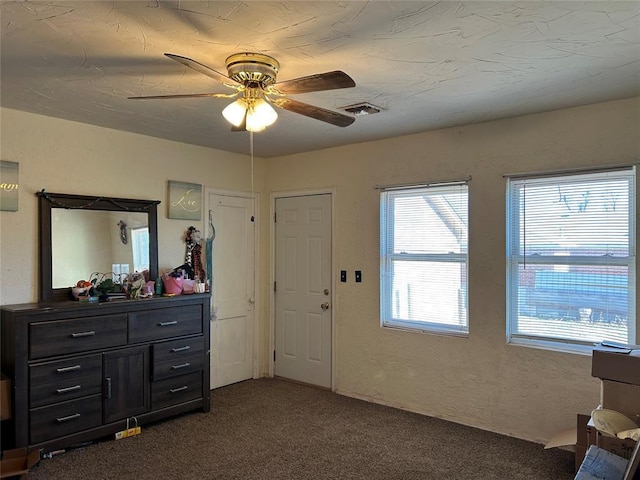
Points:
[(424, 257), (571, 257)]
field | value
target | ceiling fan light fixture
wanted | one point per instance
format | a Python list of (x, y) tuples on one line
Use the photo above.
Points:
[(262, 113), (259, 114), (254, 126), (234, 112)]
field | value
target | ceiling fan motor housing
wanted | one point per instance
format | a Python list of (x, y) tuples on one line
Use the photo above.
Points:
[(257, 68)]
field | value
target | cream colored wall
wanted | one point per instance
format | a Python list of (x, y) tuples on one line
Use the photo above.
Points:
[(68, 157), (479, 380)]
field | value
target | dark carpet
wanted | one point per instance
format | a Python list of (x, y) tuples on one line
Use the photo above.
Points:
[(274, 429)]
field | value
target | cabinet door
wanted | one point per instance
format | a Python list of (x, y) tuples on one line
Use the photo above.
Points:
[(126, 383)]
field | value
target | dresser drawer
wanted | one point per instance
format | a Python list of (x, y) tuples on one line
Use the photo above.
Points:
[(65, 418), (170, 322), (177, 357), (61, 337), (53, 382), (172, 391), (65, 369)]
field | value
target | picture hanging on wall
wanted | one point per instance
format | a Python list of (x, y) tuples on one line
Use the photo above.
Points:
[(185, 201), (8, 186)]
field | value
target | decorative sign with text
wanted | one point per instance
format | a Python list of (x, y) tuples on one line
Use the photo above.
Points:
[(185, 201), (8, 186)]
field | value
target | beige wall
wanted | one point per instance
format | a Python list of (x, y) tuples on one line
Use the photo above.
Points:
[(68, 157), (479, 380)]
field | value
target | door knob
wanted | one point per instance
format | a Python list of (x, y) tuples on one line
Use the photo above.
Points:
[(324, 306)]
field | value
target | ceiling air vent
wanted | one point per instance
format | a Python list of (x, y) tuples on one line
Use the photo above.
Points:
[(361, 109)]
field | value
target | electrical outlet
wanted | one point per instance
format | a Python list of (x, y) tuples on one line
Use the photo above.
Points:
[(343, 276), (358, 276)]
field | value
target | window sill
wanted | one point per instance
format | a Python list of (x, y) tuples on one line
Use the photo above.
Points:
[(578, 349), (427, 331)]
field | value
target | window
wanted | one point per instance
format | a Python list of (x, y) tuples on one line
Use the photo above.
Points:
[(423, 255), (140, 247), (571, 259)]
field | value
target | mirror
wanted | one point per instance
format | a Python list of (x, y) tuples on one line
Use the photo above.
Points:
[(80, 235), (97, 243)]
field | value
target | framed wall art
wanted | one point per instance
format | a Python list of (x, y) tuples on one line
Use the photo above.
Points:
[(185, 201), (8, 186)]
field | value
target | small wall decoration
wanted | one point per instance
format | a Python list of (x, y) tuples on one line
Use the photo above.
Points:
[(123, 232), (8, 186), (185, 201)]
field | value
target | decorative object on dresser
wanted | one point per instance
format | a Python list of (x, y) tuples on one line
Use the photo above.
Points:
[(193, 254), (82, 370)]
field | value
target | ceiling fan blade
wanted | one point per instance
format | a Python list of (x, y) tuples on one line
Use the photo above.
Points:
[(198, 67), (322, 114), (186, 95), (316, 83)]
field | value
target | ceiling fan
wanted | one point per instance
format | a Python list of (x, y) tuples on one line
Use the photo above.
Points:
[(253, 76)]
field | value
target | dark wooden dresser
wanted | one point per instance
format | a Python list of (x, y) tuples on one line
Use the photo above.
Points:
[(81, 370)]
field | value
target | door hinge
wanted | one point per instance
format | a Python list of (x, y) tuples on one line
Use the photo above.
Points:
[(275, 217), (274, 355), (275, 288)]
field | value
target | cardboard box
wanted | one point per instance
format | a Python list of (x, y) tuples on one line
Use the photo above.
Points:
[(617, 365), (582, 440), (5, 397), (621, 397), (18, 462), (622, 448)]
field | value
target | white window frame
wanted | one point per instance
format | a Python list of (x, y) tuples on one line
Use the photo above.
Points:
[(514, 261), (387, 258), (139, 253)]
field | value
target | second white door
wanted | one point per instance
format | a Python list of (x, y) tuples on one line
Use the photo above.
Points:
[(303, 289), (232, 319)]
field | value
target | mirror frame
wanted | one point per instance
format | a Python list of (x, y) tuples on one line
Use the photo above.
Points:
[(47, 201)]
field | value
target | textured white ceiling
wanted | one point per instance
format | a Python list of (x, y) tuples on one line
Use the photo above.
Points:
[(429, 65)]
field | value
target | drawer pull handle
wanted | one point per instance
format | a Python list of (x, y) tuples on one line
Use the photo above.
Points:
[(180, 389), (180, 349), (107, 382), (69, 389), (182, 365), (166, 324), (66, 419), (90, 333), (68, 369)]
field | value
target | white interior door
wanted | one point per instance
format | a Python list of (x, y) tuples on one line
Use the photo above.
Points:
[(232, 315), (303, 289)]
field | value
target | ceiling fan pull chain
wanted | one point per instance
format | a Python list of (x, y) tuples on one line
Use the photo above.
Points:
[(253, 198)]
